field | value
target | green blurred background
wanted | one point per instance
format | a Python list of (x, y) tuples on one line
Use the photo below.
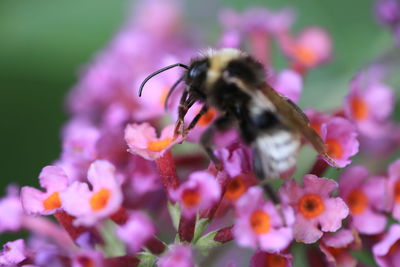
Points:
[(43, 44)]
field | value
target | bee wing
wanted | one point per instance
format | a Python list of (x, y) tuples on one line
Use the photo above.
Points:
[(294, 117)]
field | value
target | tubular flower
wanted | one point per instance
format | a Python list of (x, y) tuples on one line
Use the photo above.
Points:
[(364, 196), (13, 253), (142, 140), (259, 224), (91, 205), (177, 256), (198, 193), (337, 246), (369, 104), (387, 251), (55, 181), (393, 189), (315, 211)]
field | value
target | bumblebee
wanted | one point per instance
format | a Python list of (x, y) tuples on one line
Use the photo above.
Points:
[(235, 84)]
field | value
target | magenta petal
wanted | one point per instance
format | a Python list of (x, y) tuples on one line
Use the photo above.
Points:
[(381, 249), (370, 223), (305, 231), (321, 186), (53, 178), (352, 178), (336, 211), (32, 200), (276, 240)]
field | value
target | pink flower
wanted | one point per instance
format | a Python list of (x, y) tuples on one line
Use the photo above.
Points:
[(338, 134), (198, 193), (235, 159), (340, 139), (265, 259), (136, 231), (317, 118), (337, 246), (259, 224), (102, 201), (289, 84), (55, 181), (13, 253), (387, 252), (365, 197), (313, 46), (11, 211), (177, 256), (393, 189), (316, 212), (370, 103), (142, 140)]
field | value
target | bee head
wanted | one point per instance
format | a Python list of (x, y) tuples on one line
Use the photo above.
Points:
[(196, 77)]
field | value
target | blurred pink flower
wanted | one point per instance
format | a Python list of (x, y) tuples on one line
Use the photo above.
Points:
[(369, 104), (177, 256), (315, 210), (136, 231), (365, 196), (142, 140), (337, 246), (11, 211), (13, 253), (312, 47), (289, 84), (259, 224), (91, 205), (198, 193), (36, 202), (340, 138), (387, 251), (392, 191)]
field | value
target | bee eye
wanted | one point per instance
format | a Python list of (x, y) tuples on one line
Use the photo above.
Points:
[(198, 69)]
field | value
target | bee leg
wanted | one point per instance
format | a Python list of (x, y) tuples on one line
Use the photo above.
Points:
[(196, 119), (260, 173), (181, 111), (206, 139)]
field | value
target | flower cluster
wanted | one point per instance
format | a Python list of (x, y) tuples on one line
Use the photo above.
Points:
[(122, 197)]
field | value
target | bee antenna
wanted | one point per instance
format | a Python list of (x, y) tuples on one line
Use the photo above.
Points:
[(158, 72), (171, 90)]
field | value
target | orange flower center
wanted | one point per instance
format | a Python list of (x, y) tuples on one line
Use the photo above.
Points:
[(99, 199), (305, 55), (159, 145), (236, 188), (273, 260), (311, 206), (260, 222), (207, 117), (396, 191), (52, 202), (191, 197), (334, 148), (359, 108), (357, 201)]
